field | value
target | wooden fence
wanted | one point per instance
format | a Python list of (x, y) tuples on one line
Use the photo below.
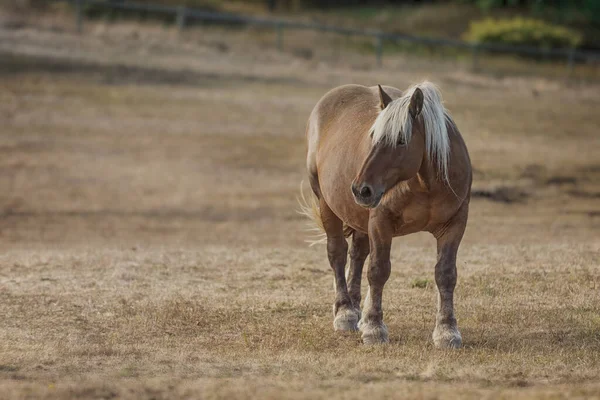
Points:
[(183, 15)]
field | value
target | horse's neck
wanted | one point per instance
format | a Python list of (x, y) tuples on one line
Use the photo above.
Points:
[(425, 174), (428, 175)]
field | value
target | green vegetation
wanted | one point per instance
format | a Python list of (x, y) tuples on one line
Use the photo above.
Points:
[(566, 8), (420, 283), (582, 15), (522, 31)]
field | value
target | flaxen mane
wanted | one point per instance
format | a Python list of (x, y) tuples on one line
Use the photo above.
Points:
[(394, 123)]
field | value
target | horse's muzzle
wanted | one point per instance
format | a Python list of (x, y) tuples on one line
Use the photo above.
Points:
[(366, 196)]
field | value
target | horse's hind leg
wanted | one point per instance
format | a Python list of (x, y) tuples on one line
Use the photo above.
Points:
[(345, 315), (446, 334), (358, 254)]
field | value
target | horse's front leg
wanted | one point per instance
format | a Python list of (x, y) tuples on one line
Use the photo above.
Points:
[(371, 325), (345, 314), (446, 334)]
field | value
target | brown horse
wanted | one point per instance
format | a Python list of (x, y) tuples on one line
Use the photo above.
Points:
[(385, 163)]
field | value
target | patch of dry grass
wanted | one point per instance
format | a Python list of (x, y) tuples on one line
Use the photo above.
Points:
[(151, 247), (214, 315)]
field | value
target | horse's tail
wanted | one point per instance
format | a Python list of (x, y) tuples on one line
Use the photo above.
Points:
[(309, 207)]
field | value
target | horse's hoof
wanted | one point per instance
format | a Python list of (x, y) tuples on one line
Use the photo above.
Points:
[(346, 320), (374, 334), (445, 337)]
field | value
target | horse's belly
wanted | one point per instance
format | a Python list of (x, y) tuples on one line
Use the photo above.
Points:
[(335, 180), (422, 213)]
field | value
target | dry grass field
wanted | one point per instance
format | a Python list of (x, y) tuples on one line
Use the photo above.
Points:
[(150, 245)]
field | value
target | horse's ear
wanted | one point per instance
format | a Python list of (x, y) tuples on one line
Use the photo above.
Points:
[(416, 103), (384, 99)]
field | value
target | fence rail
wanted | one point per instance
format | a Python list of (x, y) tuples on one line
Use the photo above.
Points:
[(183, 14)]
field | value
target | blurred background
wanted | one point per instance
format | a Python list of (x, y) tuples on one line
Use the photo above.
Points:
[(151, 157), (123, 117)]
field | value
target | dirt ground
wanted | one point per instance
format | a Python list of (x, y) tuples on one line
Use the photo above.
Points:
[(150, 245)]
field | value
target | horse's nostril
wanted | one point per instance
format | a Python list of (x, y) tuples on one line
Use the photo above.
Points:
[(365, 191)]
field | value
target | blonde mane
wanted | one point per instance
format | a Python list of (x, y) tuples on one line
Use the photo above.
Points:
[(395, 122)]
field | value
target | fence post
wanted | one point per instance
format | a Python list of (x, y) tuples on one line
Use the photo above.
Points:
[(379, 50), (79, 15), (570, 62), (279, 31), (475, 55), (180, 19)]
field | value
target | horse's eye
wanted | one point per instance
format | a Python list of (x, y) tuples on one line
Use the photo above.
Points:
[(401, 141)]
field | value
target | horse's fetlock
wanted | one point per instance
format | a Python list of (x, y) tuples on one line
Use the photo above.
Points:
[(346, 319), (447, 336), (373, 333)]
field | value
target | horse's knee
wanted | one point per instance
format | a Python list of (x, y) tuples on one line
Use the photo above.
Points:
[(379, 272)]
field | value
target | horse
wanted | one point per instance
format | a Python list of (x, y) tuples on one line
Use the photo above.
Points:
[(384, 163)]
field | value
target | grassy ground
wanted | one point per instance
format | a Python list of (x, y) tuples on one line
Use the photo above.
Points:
[(151, 248)]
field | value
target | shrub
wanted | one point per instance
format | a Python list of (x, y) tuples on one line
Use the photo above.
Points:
[(522, 32)]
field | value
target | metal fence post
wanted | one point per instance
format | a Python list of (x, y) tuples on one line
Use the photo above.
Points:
[(475, 54), (279, 30), (570, 62), (79, 15), (180, 19), (379, 50)]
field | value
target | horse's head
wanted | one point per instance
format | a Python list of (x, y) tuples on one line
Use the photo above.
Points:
[(397, 148)]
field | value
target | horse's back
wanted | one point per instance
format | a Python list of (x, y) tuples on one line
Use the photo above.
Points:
[(344, 100)]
